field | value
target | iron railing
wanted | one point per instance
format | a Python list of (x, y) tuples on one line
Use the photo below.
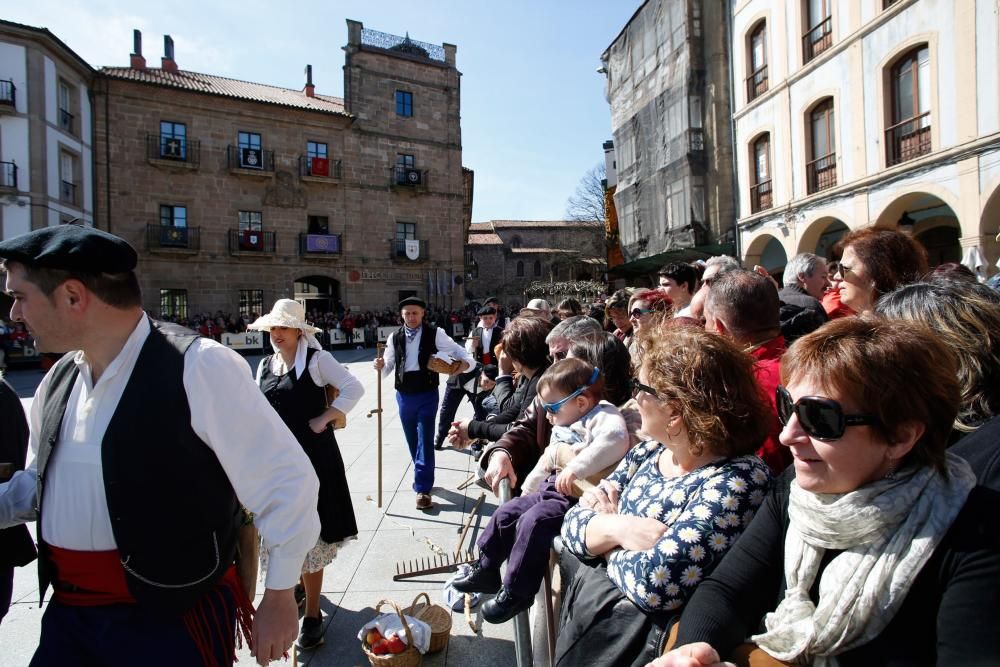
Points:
[(817, 40), (320, 244), (168, 237), (757, 83), (821, 173), (252, 241), (8, 93), (398, 249), (256, 159), (908, 139), (319, 167), (67, 192), (8, 175), (383, 40), (409, 177), (175, 149), (760, 196), (66, 120)]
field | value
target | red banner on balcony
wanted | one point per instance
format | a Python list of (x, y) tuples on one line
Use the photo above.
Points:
[(319, 166), (251, 240)]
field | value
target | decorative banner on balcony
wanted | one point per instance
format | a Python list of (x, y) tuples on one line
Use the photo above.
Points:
[(412, 249), (174, 236), (251, 158), (320, 166), (325, 243), (251, 240)]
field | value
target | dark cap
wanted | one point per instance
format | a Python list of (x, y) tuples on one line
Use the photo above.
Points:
[(492, 299), (487, 310), (71, 248), (412, 301), (491, 371)]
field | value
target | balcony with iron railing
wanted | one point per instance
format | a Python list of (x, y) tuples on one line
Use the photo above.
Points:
[(821, 173), (908, 139), (397, 250), (173, 239), (696, 140), (67, 192), (408, 178), (8, 96), (757, 83), (250, 160), (319, 245), (817, 40), (66, 121), (164, 150), (401, 45), (322, 169), (8, 176), (760, 196), (251, 242)]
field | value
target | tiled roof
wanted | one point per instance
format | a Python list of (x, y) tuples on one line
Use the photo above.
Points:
[(559, 251), (500, 224), (220, 85), (479, 238)]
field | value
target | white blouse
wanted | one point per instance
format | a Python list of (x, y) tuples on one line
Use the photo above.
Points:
[(324, 370)]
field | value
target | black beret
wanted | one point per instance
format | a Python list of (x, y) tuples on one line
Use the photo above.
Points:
[(487, 310), (492, 299), (412, 301), (71, 248), (491, 371)]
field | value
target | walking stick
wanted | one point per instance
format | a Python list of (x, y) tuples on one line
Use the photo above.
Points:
[(379, 348)]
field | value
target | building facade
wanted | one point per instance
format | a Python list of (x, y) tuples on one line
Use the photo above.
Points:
[(45, 132), (505, 257), (237, 194), (668, 84), (858, 112)]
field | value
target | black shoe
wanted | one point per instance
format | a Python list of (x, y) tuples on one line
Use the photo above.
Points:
[(300, 596), (480, 580), (439, 446), (505, 606), (311, 635)]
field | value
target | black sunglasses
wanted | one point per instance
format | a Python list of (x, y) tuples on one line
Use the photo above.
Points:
[(822, 418), (638, 386)]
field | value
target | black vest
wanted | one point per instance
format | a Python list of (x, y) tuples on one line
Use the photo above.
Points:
[(423, 380), (174, 514)]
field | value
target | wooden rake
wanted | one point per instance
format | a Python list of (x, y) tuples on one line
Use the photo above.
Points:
[(441, 563)]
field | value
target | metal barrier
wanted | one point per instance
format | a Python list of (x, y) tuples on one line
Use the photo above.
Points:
[(522, 627)]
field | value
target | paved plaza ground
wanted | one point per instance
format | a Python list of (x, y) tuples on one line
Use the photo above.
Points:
[(361, 575)]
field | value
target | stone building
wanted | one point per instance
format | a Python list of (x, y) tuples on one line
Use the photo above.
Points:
[(854, 113), (237, 193), (504, 257), (668, 85), (45, 131)]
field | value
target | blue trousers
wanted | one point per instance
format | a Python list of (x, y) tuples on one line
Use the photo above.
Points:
[(122, 635), (417, 412)]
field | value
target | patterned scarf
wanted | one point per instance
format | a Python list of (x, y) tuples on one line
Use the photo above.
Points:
[(886, 531), (411, 333)]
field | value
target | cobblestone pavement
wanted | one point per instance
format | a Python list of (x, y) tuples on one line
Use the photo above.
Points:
[(361, 575)]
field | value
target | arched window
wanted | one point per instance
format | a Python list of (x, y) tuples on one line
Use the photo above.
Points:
[(821, 169), (757, 61), (818, 35), (538, 268), (520, 269), (909, 133), (760, 173)]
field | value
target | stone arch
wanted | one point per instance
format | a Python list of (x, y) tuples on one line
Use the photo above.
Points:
[(889, 216), (317, 292), (768, 251), (821, 233), (931, 218)]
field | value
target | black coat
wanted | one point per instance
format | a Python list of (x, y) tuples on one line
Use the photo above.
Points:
[(16, 547), (800, 313)]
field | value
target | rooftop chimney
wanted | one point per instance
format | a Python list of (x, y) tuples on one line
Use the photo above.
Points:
[(310, 89), (137, 61), (168, 62)]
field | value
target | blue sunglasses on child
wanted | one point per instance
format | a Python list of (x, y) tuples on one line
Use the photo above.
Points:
[(553, 408)]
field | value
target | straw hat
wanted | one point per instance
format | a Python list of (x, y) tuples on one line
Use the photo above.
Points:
[(285, 313)]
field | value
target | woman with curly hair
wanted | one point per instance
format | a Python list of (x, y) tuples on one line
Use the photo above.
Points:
[(875, 262), (648, 309), (662, 521)]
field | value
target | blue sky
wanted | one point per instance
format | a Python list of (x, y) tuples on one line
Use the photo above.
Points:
[(533, 109)]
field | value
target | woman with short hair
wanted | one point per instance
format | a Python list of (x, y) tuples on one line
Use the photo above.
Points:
[(875, 262), (870, 550), (648, 309)]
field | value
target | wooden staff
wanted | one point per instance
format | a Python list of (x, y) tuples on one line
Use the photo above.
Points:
[(379, 349)]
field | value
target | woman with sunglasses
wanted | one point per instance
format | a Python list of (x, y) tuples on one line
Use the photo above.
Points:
[(870, 550), (595, 437), (661, 522), (647, 309), (875, 262)]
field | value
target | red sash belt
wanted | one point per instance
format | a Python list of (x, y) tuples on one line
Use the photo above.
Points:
[(89, 578)]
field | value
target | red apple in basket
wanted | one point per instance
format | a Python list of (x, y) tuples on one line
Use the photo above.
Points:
[(396, 645), (372, 636), (381, 647)]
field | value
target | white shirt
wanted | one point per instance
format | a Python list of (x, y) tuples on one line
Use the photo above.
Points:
[(269, 471), (324, 370), (486, 340), (411, 362)]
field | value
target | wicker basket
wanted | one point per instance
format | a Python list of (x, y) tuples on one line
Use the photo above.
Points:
[(438, 365), (411, 657), (435, 616)]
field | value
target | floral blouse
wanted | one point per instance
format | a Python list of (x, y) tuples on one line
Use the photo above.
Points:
[(704, 510)]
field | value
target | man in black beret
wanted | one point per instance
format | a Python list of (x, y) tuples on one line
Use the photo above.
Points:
[(406, 355), (140, 455)]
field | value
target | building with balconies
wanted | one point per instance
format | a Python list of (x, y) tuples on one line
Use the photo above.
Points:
[(861, 112), (668, 84), (45, 132), (238, 193)]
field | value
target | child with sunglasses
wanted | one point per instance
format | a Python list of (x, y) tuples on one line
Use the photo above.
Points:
[(591, 436)]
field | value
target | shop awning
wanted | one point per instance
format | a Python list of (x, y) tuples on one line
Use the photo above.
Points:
[(646, 265)]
